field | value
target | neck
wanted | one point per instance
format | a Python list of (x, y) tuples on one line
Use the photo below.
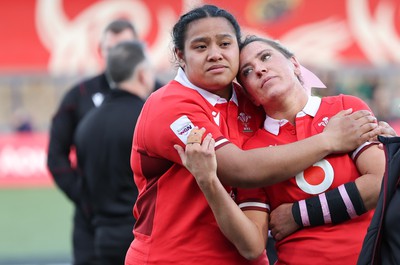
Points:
[(135, 88), (288, 107), (224, 93)]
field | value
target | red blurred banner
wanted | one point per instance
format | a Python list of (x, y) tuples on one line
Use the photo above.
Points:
[(61, 37), (23, 160)]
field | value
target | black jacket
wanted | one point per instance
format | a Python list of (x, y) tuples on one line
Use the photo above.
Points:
[(382, 242), (76, 103), (103, 145)]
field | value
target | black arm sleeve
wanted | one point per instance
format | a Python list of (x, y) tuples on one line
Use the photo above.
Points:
[(62, 130)]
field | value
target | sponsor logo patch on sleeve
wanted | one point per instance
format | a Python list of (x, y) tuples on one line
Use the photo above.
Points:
[(182, 127)]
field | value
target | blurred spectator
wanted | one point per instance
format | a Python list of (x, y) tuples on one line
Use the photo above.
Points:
[(381, 102), (367, 85), (77, 102), (103, 141), (21, 121), (329, 79), (381, 244)]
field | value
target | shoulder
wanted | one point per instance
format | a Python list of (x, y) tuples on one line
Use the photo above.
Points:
[(173, 94), (99, 79), (88, 87), (346, 101), (341, 98), (91, 85), (171, 102)]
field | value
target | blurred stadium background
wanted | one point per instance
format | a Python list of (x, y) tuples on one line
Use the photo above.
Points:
[(48, 45)]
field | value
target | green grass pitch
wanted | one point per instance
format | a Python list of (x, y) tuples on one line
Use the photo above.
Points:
[(35, 223)]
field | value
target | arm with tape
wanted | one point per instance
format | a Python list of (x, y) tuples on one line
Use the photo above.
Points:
[(338, 205)]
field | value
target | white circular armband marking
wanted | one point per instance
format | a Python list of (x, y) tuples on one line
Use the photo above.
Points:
[(327, 178)]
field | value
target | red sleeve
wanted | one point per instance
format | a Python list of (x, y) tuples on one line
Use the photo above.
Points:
[(167, 120), (253, 199), (355, 103)]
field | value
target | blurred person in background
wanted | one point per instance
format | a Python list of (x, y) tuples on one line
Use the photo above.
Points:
[(21, 121), (77, 102), (381, 244), (103, 142)]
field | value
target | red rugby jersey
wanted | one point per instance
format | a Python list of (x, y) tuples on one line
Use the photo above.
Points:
[(174, 224), (328, 244)]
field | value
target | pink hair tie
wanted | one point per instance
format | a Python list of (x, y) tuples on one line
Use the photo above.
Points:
[(310, 79)]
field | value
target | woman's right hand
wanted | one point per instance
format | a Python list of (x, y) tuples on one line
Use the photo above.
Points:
[(200, 160)]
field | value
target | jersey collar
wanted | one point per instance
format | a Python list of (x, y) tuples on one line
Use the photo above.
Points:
[(272, 125), (210, 97)]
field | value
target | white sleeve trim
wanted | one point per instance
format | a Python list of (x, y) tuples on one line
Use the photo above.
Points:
[(254, 204)]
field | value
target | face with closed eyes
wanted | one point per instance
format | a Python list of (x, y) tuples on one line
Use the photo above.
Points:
[(267, 75)]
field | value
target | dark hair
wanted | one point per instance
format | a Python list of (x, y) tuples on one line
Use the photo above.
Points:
[(120, 25), (123, 59), (273, 43), (179, 30)]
